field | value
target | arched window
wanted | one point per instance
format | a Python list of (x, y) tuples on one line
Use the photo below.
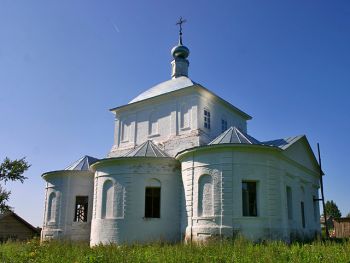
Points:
[(51, 211), (153, 124), (185, 116), (205, 196), (107, 199)]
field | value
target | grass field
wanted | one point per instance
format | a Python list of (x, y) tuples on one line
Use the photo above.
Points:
[(238, 250)]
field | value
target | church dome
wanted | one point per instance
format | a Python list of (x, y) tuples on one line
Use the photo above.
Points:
[(180, 51), (165, 87)]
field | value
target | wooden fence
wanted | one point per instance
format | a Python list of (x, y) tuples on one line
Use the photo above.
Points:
[(342, 227)]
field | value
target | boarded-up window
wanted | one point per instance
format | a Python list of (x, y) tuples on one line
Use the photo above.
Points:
[(289, 202), (205, 196), (107, 199), (153, 124), (125, 131), (185, 116), (51, 209), (249, 199), (81, 208), (119, 200), (152, 202)]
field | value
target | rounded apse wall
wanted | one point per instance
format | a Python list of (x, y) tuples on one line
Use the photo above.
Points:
[(136, 200), (231, 189), (66, 193)]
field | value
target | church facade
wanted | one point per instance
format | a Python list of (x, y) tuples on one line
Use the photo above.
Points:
[(183, 168)]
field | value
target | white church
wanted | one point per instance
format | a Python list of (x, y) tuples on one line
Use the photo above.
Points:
[(183, 168)]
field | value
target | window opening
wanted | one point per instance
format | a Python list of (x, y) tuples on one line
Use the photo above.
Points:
[(249, 199), (81, 208), (223, 125), (152, 202), (289, 202), (207, 119), (302, 214), (315, 208)]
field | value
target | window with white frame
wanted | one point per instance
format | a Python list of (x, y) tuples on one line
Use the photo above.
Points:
[(206, 119)]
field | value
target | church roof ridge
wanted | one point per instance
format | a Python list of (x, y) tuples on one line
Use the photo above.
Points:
[(283, 143), (164, 87), (82, 164), (146, 149), (158, 93), (234, 135)]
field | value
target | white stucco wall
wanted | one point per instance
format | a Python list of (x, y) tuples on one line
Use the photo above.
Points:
[(66, 185), (177, 121), (134, 175), (228, 167)]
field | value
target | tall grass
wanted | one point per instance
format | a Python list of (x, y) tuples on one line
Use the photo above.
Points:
[(238, 250)]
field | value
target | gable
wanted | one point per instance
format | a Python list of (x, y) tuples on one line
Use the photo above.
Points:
[(301, 152), (13, 226)]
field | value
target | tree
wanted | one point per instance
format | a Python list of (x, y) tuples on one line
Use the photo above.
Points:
[(348, 215), (332, 209), (10, 171)]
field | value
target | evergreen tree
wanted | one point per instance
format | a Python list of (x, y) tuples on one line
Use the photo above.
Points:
[(332, 209), (10, 171)]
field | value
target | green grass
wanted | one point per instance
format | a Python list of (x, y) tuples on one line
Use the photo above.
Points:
[(238, 250)]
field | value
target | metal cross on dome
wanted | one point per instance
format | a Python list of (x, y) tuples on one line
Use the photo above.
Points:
[(180, 22)]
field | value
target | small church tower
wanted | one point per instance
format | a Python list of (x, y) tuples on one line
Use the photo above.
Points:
[(180, 53)]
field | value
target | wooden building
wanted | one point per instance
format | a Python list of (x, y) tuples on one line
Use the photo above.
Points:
[(342, 227), (14, 227)]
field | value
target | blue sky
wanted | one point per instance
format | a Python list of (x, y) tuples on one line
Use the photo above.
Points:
[(63, 64)]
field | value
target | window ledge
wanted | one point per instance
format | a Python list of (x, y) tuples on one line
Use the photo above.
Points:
[(153, 135), (80, 223), (205, 217), (150, 218), (185, 128)]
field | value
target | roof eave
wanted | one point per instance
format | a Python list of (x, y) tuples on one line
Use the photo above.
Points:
[(226, 145), (240, 112), (64, 172), (119, 159)]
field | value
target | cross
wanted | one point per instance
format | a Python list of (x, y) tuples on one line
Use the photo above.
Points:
[(180, 22)]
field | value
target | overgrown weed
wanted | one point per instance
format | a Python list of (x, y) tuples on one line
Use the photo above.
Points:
[(228, 250)]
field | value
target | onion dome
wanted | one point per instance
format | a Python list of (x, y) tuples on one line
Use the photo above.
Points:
[(180, 51)]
